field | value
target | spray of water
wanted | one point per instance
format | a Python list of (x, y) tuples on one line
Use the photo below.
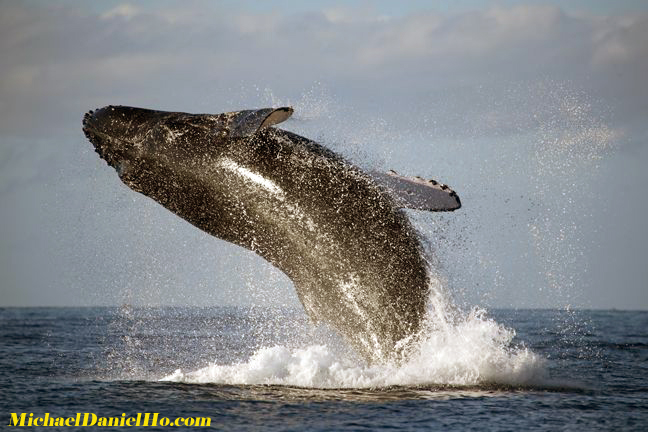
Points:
[(453, 348), (458, 345)]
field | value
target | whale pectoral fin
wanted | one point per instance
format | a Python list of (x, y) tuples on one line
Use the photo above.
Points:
[(418, 193), (242, 124)]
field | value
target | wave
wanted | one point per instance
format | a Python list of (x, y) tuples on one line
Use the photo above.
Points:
[(468, 351)]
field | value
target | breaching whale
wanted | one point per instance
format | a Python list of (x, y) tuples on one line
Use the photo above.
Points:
[(340, 234)]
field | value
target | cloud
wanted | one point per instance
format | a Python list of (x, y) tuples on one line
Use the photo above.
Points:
[(125, 11), (63, 58), (621, 41)]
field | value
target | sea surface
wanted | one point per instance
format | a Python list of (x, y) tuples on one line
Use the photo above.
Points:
[(270, 369)]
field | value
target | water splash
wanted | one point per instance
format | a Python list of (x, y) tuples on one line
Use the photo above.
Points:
[(472, 350), (455, 347)]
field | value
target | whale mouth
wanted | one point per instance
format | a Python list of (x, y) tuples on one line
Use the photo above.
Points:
[(91, 133), (87, 128), (104, 144)]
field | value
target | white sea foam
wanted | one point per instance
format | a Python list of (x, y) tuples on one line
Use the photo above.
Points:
[(475, 350)]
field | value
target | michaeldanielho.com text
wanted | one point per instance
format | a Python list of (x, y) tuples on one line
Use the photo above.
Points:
[(91, 419)]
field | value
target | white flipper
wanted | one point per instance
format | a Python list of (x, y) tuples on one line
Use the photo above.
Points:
[(418, 193), (245, 123)]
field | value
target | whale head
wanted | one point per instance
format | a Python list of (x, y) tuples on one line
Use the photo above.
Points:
[(153, 151), (117, 133), (125, 135), (135, 141)]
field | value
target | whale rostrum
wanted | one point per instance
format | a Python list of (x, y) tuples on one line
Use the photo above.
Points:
[(339, 233)]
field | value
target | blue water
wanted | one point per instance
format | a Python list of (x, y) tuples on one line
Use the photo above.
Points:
[(109, 361)]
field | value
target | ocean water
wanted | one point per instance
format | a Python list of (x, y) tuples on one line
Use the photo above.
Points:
[(269, 369)]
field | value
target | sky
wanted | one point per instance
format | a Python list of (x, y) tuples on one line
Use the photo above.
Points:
[(534, 112)]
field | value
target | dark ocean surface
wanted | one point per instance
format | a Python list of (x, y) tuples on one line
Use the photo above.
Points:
[(267, 369)]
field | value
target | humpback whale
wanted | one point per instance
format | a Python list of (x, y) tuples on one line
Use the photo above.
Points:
[(339, 233)]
